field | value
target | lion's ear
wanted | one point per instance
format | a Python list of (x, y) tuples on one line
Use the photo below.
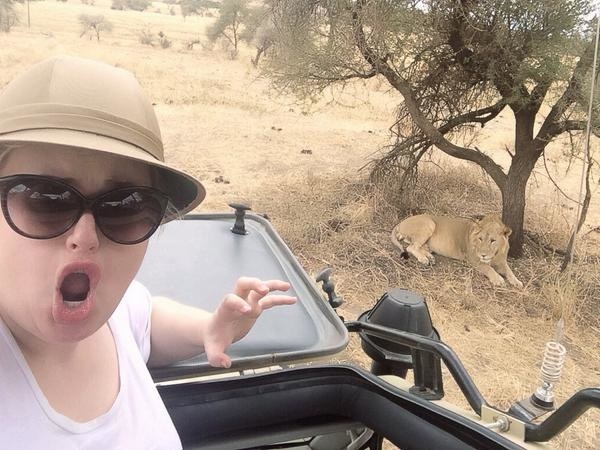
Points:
[(506, 231)]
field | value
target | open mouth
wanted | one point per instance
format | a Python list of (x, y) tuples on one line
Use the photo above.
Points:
[(75, 288)]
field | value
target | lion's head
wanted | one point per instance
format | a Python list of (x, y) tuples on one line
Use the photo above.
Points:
[(489, 238)]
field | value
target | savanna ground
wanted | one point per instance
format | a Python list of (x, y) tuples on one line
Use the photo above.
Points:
[(302, 165)]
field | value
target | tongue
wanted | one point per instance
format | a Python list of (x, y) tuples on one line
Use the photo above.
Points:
[(75, 287)]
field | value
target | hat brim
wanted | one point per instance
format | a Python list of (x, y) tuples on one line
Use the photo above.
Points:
[(184, 191)]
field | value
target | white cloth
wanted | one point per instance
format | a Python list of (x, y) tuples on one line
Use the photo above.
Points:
[(138, 418)]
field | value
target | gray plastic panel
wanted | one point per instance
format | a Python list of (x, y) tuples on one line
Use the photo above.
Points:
[(197, 261)]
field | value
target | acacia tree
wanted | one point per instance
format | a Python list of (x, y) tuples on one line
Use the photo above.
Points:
[(258, 30), (93, 25), (196, 7), (229, 23), (457, 64)]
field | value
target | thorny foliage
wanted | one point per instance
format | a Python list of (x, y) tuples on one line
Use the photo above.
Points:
[(457, 64), (464, 61)]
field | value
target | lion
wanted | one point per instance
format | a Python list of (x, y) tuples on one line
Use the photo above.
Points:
[(483, 244)]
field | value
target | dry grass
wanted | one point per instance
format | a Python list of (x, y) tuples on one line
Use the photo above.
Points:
[(220, 124), (344, 223)]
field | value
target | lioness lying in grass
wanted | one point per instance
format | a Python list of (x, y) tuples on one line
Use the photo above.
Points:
[(483, 243)]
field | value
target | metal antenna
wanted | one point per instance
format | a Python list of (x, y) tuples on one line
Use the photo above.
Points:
[(542, 399), (586, 158), (559, 331), (552, 364)]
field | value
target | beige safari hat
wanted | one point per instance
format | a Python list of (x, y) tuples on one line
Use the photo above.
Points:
[(86, 104)]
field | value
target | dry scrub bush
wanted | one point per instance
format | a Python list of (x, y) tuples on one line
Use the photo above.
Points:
[(561, 293), (443, 191), (147, 37), (547, 226)]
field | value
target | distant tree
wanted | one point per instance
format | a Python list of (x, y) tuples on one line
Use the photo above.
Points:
[(456, 65), (8, 15), (93, 25), (135, 5), (197, 7), (259, 30), (228, 24), (189, 7), (138, 5)]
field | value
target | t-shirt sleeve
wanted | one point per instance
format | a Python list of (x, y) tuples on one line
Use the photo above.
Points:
[(137, 301)]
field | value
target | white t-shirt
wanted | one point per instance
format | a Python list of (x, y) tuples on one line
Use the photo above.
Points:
[(138, 418)]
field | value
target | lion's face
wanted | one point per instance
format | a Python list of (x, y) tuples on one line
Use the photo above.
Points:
[(489, 238)]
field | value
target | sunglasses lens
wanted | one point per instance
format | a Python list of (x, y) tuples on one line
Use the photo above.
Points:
[(129, 216), (42, 208)]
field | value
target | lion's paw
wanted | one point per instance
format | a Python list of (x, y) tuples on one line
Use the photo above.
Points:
[(423, 260), (516, 283), (497, 280)]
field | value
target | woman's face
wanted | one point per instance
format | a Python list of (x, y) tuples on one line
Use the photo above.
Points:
[(63, 289)]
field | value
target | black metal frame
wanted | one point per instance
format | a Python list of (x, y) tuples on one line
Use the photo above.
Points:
[(554, 424), (247, 411)]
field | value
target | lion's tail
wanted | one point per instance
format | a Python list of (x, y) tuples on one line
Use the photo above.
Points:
[(397, 243)]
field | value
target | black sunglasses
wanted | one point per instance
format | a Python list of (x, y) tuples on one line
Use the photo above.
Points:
[(41, 207)]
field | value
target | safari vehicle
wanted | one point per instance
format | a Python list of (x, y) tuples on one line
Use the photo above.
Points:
[(277, 395)]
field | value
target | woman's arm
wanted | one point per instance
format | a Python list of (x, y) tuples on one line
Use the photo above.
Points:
[(179, 331)]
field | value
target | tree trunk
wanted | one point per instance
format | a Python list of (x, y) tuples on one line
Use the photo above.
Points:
[(514, 190), (513, 196), (259, 51), (513, 211)]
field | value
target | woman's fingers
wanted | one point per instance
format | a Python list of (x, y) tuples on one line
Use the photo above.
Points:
[(235, 305), (255, 290), (218, 358), (277, 285), (276, 300), (245, 285), (238, 311)]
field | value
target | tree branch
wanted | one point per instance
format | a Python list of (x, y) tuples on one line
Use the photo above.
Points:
[(571, 125), (550, 127), (401, 85), (481, 116), (372, 73), (475, 66)]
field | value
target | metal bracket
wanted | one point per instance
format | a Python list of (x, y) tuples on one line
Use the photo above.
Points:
[(502, 422)]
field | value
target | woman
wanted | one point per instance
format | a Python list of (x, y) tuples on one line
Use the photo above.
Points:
[(83, 186)]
